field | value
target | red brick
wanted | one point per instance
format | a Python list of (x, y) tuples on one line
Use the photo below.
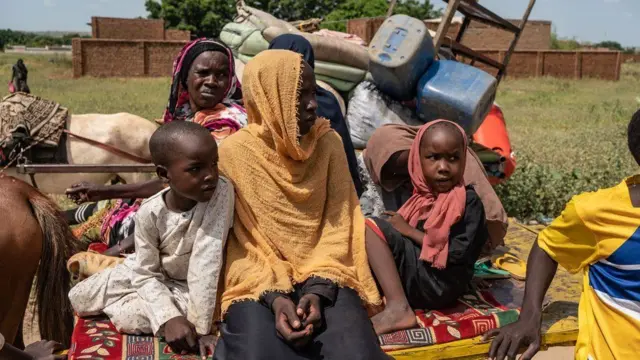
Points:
[(630, 58), (124, 58), (173, 34), (134, 29), (563, 64), (127, 29), (536, 35)]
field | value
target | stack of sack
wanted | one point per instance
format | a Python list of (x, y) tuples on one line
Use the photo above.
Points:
[(397, 79), (341, 64), (403, 69)]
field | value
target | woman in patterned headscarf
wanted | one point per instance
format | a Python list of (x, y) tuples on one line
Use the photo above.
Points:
[(203, 87)]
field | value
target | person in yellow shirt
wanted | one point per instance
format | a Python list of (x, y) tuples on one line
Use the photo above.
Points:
[(597, 234)]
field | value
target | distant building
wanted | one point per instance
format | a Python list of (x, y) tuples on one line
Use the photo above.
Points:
[(536, 35), (134, 29)]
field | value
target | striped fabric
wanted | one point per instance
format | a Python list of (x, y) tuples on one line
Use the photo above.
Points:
[(599, 234)]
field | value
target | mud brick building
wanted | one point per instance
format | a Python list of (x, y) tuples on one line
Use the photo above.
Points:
[(127, 47)]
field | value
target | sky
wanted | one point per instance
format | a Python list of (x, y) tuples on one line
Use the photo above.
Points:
[(586, 20)]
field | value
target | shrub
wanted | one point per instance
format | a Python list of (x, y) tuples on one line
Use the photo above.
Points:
[(570, 136), (539, 191)]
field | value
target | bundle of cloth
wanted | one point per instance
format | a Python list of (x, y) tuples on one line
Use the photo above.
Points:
[(341, 62)]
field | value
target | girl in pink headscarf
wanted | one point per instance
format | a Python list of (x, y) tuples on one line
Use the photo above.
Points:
[(423, 256)]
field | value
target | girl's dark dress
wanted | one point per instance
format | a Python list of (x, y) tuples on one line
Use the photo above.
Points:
[(425, 286)]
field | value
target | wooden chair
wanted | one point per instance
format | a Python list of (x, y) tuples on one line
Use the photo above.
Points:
[(473, 11)]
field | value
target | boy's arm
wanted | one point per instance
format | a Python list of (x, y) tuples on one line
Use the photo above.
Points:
[(84, 191), (147, 277), (205, 263), (568, 242), (541, 269)]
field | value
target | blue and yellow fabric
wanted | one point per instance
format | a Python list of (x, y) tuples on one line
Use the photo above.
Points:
[(598, 234)]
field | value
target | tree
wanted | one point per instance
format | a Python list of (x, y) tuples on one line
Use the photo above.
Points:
[(563, 44), (10, 37), (419, 10), (207, 17), (154, 8), (611, 45), (291, 10), (201, 17), (354, 9)]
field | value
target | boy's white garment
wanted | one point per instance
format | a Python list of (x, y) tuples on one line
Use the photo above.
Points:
[(174, 271)]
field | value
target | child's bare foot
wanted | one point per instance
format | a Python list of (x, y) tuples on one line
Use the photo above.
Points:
[(394, 318)]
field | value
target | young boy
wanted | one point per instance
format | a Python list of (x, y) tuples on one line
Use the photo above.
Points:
[(169, 286), (598, 234)]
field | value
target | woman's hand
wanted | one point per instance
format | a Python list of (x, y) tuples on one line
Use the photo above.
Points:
[(399, 223), (288, 324), (310, 311), (84, 192), (181, 335), (44, 350), (207, 345)]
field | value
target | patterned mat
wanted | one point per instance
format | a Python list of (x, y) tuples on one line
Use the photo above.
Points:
[(98, 339), (473, 315), (42, 119)]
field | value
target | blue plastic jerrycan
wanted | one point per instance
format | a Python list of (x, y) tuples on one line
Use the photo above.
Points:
[(400, 52), (457, 92)]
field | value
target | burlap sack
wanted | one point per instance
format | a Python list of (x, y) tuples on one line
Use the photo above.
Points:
[(261, 19), (333, 50), (340, 85), (340, 72), (234, 34), (254, 44)]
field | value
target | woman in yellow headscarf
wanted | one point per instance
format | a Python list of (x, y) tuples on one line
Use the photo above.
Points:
[(297, 279)]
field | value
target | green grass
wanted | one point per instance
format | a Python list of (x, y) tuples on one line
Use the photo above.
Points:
[(51, 77), (568, 123), (569, 136)]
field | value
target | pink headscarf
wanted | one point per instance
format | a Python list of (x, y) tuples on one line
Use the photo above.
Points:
[(440, 212), (178, 107)]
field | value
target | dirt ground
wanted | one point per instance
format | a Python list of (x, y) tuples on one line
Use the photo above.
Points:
[(556, 353)]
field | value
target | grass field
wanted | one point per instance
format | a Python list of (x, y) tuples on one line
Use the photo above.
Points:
[(569, 136)]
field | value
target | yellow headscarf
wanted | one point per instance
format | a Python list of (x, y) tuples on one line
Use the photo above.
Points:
[(297, 212)]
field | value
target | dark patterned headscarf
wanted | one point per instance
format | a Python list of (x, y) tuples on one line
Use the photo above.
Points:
[(178, 107)]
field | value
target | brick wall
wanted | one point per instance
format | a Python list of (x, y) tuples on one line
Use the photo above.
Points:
[(536, 35), (562, 64), (127, 29), (631, 58), (123, 58), (134, 29), (180, 35), (365, 28)]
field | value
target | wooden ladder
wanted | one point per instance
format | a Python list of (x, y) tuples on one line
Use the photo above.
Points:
[(473, 11)]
